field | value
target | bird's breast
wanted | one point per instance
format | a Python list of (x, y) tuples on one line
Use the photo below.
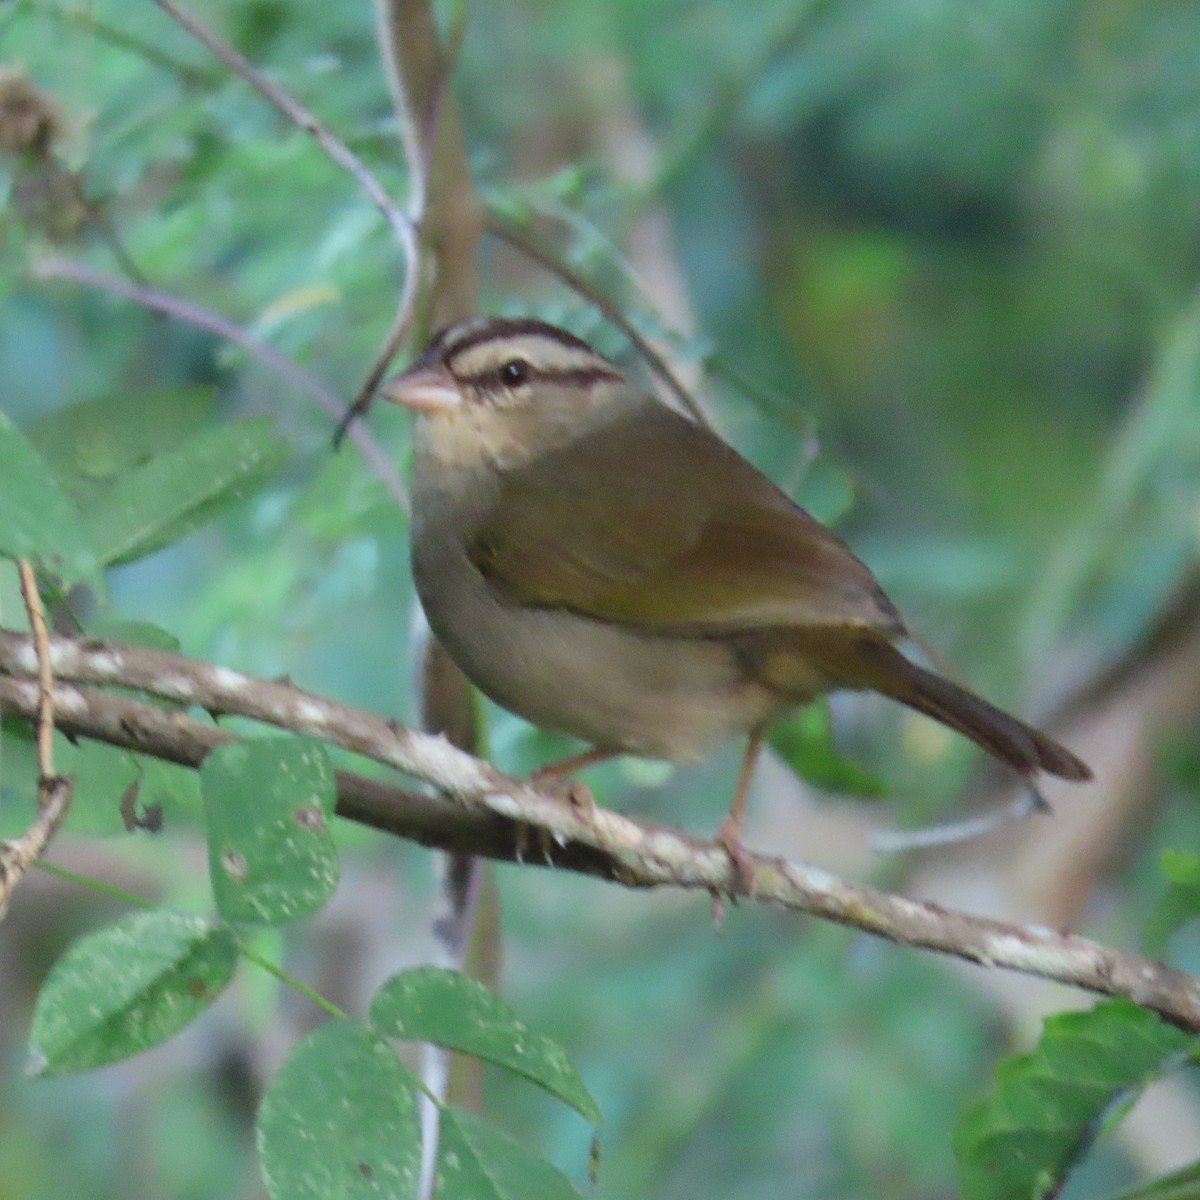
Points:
[(608, 684)]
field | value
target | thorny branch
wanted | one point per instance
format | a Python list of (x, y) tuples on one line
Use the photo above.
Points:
[(488, 807)]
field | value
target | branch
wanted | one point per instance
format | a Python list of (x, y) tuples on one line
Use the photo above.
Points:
[(54, 791), (417, 72), (416, 137), (204, 318), (174, 737), (41, 646), (600, 842)]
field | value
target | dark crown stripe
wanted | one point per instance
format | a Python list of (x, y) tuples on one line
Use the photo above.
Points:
[(455, 339)]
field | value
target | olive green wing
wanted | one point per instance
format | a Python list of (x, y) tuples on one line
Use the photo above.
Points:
[(652, 520)]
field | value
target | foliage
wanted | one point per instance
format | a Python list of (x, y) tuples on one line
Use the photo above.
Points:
[(1024, 1139), (339, 1118), (940, 277)]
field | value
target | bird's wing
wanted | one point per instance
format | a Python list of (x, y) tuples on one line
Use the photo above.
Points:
[(652, 520)]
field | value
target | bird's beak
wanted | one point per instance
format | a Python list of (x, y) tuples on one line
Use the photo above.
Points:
[(424, 390)]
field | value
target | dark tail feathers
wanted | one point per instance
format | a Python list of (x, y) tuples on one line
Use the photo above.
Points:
[(881, 667)]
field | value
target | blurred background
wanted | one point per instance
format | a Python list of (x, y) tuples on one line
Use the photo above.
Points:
[(934, 266)]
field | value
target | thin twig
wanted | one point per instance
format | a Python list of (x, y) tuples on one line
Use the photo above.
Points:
[(54, 791), (388, 35), (204, 318), (295, 112), (402, 223), (447, 708), (535, 250), (41, 642), (418, 136), (600, 842), (418, 71), (383, 359)]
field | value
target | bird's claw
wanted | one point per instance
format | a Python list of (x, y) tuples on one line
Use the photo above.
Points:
[(729, 839)]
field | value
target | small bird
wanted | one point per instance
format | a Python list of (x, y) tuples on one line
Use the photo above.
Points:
[(604, 566)]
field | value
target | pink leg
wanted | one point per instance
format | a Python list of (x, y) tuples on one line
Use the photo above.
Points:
[(729, 834), (573, 763), (577, 794)]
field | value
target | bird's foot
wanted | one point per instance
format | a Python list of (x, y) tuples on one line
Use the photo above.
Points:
[(730, 840), (578, 796), (535, 843), (718, 911)]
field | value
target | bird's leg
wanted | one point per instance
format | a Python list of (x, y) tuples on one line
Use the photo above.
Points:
[(577, 794), (729, 834), (573, 763)]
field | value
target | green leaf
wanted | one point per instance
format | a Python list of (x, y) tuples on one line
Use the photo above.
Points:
[(171, 790), (805, 742), (430, 1004), (339, 1120), (37, 521), (1179, 904), (827, 490), (173, 494), (125, 988), (135, 633), (90, 445), (478, 1162), (270, 851), (102, 776), (1046, 1107), (1183, 1184), (102, 801)]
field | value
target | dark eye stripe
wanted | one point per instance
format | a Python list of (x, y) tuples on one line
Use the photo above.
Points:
[(571, 376)]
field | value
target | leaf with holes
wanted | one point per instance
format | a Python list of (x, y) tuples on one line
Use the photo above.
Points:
[(430, 1004), (476, 1161), (37, 521), (128, 987), (270, 851), (1047, 1106), (340, 1120)]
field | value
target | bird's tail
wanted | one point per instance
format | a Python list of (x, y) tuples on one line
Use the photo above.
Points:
[(878, 665)]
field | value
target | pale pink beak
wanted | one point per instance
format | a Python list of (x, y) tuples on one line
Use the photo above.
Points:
[(423, 389)]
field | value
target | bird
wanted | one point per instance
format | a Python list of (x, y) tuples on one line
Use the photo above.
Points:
[(605, 566)]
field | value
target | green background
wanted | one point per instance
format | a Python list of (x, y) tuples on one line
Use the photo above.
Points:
[(936, 264)]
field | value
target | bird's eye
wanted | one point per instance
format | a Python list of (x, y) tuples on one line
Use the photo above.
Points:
[(514, 372)]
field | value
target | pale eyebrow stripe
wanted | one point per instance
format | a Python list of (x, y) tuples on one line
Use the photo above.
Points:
[(543, 353)]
